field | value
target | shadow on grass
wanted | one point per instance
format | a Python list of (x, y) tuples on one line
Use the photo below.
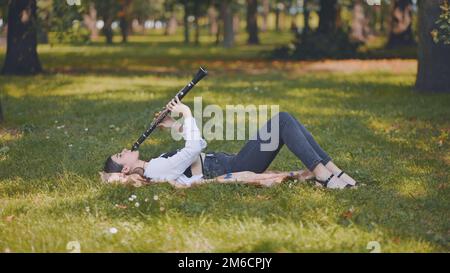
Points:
[(378, 205)]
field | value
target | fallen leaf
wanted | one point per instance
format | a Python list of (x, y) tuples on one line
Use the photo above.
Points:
[(348, 214)]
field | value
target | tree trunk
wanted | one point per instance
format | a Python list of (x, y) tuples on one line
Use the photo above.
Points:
[(328, 16), (306, 26), (236, 23), (294, 27), (186, 22), (212, 18), (196, 23), (90, 20), (219, 28), (359, 31), (171, 27), (401, 24), (265, 14), (434, 65), (124, 29), (384, 12), (107, 29), (124, 20), (252, 23), (227, 17), (277, 19), (21, 53)]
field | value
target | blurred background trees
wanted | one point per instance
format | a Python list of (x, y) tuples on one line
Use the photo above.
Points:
[(401, 24), (320, 28), (434, 53), (21, 55)]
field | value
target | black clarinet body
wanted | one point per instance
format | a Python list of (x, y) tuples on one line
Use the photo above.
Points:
[(201, 73)]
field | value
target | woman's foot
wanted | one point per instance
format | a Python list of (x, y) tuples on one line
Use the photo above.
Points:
[(347, 178), (340, 174), (332, 182), (327, 179)]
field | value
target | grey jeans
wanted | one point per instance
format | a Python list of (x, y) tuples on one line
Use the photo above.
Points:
[(252, 158)]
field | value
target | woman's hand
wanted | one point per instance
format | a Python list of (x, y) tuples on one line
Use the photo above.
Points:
[(166, 123), (176, 107)]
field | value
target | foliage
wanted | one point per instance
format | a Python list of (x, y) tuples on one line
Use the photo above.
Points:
[(336, 45), (107, 8), (441, 34), (144, 9), (62, 19)]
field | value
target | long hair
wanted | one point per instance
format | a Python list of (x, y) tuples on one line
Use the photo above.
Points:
[(112, 173), (111, 166)]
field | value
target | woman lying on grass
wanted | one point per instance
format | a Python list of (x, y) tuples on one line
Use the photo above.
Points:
[(189, 166)]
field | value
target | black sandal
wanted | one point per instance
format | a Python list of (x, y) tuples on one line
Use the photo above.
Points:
[(348, 185), (324, 183)]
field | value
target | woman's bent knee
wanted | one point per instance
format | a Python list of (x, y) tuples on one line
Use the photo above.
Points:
[(284, 116)]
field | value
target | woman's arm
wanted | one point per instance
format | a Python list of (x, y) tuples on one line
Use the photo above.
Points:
[(170, 124), (172, 167), (191, 134), (265, 179)]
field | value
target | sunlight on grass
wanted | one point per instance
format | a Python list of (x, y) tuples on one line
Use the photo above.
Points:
[(95, 100)]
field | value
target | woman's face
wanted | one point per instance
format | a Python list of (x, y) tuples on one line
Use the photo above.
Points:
[(126, 157)]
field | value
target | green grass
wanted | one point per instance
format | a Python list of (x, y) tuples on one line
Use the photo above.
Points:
[(372, 123)]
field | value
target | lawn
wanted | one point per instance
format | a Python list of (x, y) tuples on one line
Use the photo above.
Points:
[(95, 100)]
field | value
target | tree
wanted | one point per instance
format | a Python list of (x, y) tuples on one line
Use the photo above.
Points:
[(21, 53), (90, 20), (197, 14), (142, 10), (279, 8), (186, 8), (124, 15), (329, 40), (265, 14), (306, 26), (193, 9), (252, 24), (359, 24), (212, 18), (401, 24), (227, 18), (328, 16), (434, 65), (44, 10), (171, 26), (64, 21), (107, 11)]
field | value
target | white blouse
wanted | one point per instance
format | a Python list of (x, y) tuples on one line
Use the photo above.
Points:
[(173, 167)]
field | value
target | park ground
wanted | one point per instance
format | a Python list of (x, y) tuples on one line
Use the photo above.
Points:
[(95, 100)]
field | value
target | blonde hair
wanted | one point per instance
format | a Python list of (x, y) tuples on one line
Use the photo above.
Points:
[(135, 178)]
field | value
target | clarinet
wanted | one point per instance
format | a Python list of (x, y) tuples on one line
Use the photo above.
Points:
[(201, 73)]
